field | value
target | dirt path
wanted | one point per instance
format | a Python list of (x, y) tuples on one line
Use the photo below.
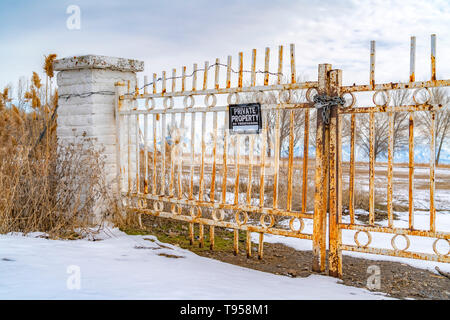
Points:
[(397, 280)]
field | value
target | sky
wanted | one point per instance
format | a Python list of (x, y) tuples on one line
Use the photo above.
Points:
[(170, 34)]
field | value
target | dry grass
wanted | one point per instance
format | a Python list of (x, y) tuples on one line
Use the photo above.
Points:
[(45, 187)]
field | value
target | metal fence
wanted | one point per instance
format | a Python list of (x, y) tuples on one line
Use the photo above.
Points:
[(178, 158)]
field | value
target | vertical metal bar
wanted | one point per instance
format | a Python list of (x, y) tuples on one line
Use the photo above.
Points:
[(146, 139), (138, 156), (236, 167), (411, 170), (293, 74), (432, 170), (129, 145), (248, 243), (163, 153), (261, 246), (319, 237), (390, 169), (305, 161), (372, 64), (262, 163), (276, 159), (211, 238), (194, 77), (433, 57), (335, 252), (202, 172), (228, 72), (163, 90), (154, 83), (205, 76), (351, 184), (291, 160), (155, 154), (412, 60), (117, 107), (253, 78), (266, 67), (191, 188), (236, 241), (183, 78), (280, 64), (250, 169), (216, 74), (372, 168), (224, 164), (241, 66), (214, 150)]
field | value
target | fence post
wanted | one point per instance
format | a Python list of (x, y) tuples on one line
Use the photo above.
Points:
[(321, 193), (335, 201), (86, 87)]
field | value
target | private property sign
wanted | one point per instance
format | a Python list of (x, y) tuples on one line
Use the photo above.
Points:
[(245, 118)]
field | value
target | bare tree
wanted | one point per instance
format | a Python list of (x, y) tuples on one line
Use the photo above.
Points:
[(439, 96), (381, 127)]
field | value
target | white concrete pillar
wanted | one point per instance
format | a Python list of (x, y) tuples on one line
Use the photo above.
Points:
[(86, 87)]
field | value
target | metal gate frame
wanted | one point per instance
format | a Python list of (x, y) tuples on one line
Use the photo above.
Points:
[(143, 197)]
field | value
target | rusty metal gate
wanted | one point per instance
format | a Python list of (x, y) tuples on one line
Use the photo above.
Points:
[(179, 160)]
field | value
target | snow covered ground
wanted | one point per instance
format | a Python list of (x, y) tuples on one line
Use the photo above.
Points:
[(132, 267)]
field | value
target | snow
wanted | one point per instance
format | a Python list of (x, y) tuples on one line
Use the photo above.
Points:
[(121, 266), (381, 240)]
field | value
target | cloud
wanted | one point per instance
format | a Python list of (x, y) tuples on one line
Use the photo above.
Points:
[(169, 34)]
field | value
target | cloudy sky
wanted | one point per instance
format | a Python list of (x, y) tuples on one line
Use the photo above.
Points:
[(170, 34)]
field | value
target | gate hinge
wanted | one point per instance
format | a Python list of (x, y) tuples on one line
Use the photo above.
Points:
[(325, 103)]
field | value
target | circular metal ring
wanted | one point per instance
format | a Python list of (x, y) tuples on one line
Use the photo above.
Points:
[(308, 94), (221, 215), (282, 96), (214, 100), (158, 206), (262, 220), (259, 97), (185, 102), (165, 102), (199, 212), (395, 246), (239, 222), (142, 203), (176, 209), (388, 98), (369, 238), (291, 224), (152, 104), (436, 250), (353, 100), (417, 91), (236, 98)]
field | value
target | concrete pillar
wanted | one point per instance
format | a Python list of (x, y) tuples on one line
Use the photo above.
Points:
[(86, 87)]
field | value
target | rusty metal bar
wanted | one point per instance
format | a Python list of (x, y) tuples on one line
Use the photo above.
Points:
[(291, 161), (280, 64), (241, 69), (335, 252), (183, 78), (237, 145), (412, 60), (253, 78), (305, 162), (202, 172), (154, 155), (266, 67), (163, 153), (293, 74), (351, 183), (164, 80), (137, 155), (433, 57), (372, 168), (382, 109), (318, 264), (261, 246), (390, 169), (205, 76), (411, 171), (432, 170), (396, 85), (276, 159), (250, 169), (262, 163), (372, 64), (224, 164), (228, 84), (401, 231), (224, 224), (146, 140), (194, 78)]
